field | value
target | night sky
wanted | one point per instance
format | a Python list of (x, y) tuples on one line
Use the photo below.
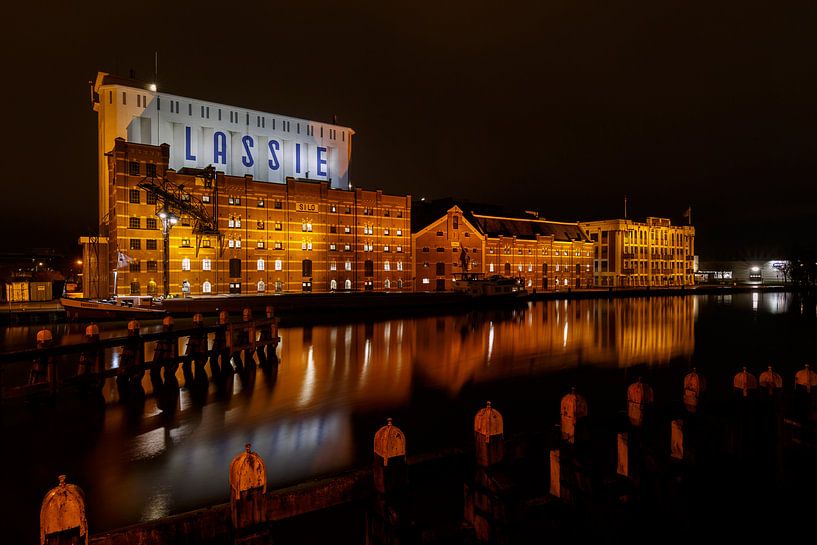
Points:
[(560, 106)]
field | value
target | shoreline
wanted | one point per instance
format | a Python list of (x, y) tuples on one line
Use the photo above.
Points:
[(327, 308)]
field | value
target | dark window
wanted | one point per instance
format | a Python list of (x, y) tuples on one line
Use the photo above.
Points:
[(399, 213), (507, 269), (368, 268), (425, 249), (440, 284), (135, 267), (134, 168), (134, 196), (440, 269), (134, 223), (578, 269), (333, 228), (150, 170), (544, 269), (278, 205), (151, 198), (150, 223), (135, 244), (456, 222), (153, 266), (235, 269), (439, 233), (348, 209), (150, 244), (440, 249), (306, 267), (134, 288), (386, 213)]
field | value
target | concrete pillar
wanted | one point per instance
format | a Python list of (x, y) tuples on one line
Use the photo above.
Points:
[(489, 500), (388, 521), (489, 439), (248, 486), (62, 516), (573, 407), (677, 439), (639, 396)]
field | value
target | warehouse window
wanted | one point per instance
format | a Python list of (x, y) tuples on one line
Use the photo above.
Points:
[(150, 170), (134, 223), (368, 268), (134, 288), (124, 98), (386, 266), (306, 267), (347, 285), (153, 266), (279, 264), (260, 287), (151, 198), (259, 265), (206, 264), (135, 244), (206, 287), (186, 264), (150, 244), (150, 223), (348, 266), (235, 268), (135, 267), (333, 284), (134, 196), (333, 266), (278, 205)]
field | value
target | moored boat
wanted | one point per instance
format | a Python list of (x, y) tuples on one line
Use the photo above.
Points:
[(120, 308), (493, 287)]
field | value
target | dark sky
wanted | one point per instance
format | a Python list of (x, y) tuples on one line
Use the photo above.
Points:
[(559, 105)]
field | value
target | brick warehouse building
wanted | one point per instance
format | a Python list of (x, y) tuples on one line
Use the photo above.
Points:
[(261, 202), (299, 236), (546, 255)]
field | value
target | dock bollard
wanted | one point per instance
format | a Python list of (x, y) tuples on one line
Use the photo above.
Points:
[(622, 454), (389, 459), (248, 486), (387, 520), (42, 367), (770, 382), (62, 516), (744, 383), (677, 439)]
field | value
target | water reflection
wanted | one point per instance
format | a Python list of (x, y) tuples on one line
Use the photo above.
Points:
[(303, 415)]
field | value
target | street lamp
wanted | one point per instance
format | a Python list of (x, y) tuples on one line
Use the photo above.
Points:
[(169, 219)]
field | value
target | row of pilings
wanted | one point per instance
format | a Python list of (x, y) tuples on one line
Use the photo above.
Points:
[(226, 347), (648, 477)]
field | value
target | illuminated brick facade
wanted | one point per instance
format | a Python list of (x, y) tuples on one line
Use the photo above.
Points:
[(302, 235), (652, 253), (547, 255)]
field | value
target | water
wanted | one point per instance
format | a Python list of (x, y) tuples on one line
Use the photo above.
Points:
[(336, 385)]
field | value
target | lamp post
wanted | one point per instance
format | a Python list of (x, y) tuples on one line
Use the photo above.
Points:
[(168, 220)]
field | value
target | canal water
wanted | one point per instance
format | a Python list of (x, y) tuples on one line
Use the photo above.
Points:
[(335, 385)]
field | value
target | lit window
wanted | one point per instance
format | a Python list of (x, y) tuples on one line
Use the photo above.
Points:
[(231, 222), (386, 232), (399, 232), (186, 264), (238, 243), (309, 227), (347, 229), (238, 221), (426, 281), (260, 287), (399, 248), (399, 265), (278, 226), (206, 265), (333, 208), (260, 244), (206, 287), (260, 203), (333, 247), (260, 265), (348, 266), (386, 266), (279, 245), (530, 267), (333, 266), (205, 199), (386, 248), (347, 248), (230, 243), (490, 267), (278, 265)]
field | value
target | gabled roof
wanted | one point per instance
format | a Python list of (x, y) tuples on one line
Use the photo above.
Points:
[(523, 228)]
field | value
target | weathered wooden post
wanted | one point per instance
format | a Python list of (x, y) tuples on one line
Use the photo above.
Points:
[(268, 339), (248, 486), (131, 362), (196, 353), (487, 507), (387, 522), (555, 473), (744, 424), (694, 387), (623, 455), (639, 396), (43, 368), (242, 347), (91, 360), (220, 352), (573, 408), (62, 516), (163, 353)]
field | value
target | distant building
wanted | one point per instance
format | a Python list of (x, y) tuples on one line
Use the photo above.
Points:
[(255, 202), (300, 236), (545, 255), (744, 271), (641, 254)]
